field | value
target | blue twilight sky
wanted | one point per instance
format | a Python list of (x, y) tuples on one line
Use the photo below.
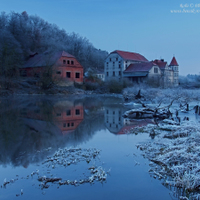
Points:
[(151, 28)]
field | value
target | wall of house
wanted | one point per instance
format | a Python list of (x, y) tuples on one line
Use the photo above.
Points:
[(175, 75), (113, 67), (65, 69), (154, 76), (68, 69)]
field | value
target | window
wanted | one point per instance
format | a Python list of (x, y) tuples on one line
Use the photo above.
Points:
[(37, 75), (68, 74), (68, 124), (68, 112), (58, 114), (155, 70), (116, 59), (64, 125), (23, 73), (64, 61), (106, 73), (68, 62), (77, 112), (119, 65), (113, 73), (72, 62), (113, 64), (58, 72), (113, 112), (72, 124), (119, 73), (77, 75), (110, 59), (107, 111)]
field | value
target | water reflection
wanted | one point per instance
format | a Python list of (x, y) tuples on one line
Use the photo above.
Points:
[(116, 124), (29, 127)]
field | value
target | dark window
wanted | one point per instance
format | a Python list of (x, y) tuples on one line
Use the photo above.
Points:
[(64, 125), (23, 73), (72, 62), (110, 59), (68, 112), (58, 114), (46, 74), (38, 75), (68, 74), (58, 72), (77, 112), (77, 75), (119, 73), (64, 61), (113, 112), (72, 124), (68, 124), (116, 59), (107, 111), (113, 73), (155, 70), (68, 62), (113, 64), (107, 73), (119, 65), (37, 111)]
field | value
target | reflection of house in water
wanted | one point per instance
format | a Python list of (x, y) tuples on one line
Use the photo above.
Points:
[(68, 118), (65, 115), (130, 124), (116, 124), (113, 118)]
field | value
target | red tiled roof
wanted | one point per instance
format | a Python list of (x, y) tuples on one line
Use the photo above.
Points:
[(130, 55), (173, 62), (41, 60), (140, 67), (160, 63)]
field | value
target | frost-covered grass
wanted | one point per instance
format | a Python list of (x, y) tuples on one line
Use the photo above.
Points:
[(157, 95), (175, 155)]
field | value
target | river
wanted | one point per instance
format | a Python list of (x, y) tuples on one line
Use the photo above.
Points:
[(32, 129)]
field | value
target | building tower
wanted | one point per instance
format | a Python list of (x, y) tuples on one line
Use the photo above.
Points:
[(174, 66)]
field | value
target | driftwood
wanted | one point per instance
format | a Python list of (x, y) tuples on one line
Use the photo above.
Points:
[(147, 113)]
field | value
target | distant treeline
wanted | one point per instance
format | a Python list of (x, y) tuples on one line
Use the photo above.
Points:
[(22, 35)]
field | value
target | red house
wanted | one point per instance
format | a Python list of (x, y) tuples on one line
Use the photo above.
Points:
[(63, 66)]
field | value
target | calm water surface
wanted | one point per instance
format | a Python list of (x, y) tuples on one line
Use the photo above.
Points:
[(32, 129)]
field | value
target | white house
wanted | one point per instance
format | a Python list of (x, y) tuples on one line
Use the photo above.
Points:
[(135, 67)]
